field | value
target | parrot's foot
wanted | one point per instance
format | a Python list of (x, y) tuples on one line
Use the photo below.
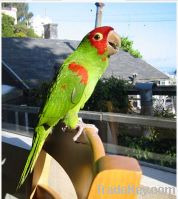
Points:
[(64, 128), (81, 126)]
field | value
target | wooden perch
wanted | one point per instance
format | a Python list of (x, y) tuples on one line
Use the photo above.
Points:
[(82, 170)]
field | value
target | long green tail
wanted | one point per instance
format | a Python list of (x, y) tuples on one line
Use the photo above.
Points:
[(41, 135)]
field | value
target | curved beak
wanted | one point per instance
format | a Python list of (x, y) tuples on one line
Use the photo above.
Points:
[(114, 42)]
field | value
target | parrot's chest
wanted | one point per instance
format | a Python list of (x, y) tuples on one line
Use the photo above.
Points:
[(91, 84)]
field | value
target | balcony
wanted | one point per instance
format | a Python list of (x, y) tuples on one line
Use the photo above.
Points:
[(158, 181)]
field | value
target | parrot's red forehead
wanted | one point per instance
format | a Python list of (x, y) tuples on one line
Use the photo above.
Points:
[(103, 30), (101, 43)]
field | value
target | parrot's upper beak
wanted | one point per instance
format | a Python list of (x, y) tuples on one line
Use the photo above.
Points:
[(114, 42)]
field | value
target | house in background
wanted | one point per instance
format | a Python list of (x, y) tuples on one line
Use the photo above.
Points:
[(10, 11), (34, 61), (28, 63), (170, 81), (38, 22)]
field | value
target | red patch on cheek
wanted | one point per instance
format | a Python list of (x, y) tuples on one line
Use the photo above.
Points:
[(101, 46), (80, 71)]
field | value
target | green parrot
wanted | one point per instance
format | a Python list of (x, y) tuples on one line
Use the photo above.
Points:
[(72, 87)]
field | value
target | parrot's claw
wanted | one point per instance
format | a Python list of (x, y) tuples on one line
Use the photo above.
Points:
[(81, 126), (80, 120), (64, 128)]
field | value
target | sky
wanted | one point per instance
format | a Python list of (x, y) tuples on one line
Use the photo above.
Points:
[(151, 26)]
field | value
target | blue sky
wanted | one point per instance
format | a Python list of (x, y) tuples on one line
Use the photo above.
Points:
[(151, 26)]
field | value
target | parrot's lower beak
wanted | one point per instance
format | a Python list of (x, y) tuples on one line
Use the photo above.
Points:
[(114, 42)]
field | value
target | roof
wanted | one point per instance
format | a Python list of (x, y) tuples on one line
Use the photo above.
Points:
[(124, 65), (35, 60)]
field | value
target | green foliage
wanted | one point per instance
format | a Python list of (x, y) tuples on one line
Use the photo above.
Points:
[(21, 30), (109, 95), (110, 90), (142, 146), (31, 33), (127, 45), (20, 34), (7, 26), (163, 113), (22, 11), (135, 53), (20, 27)]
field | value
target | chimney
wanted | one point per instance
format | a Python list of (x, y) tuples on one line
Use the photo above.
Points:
[(99, 7), (50, 31)]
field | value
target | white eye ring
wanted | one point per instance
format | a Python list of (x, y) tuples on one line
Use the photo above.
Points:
[(98, 36)]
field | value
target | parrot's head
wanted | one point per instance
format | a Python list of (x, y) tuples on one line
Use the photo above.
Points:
[(105, 40)]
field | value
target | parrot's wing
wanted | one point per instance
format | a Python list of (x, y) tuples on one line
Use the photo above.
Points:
[(65, 93)]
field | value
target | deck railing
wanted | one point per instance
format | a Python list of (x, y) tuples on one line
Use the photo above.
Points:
[(106, 117), (100, 116)]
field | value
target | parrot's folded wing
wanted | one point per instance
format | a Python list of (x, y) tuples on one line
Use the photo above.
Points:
[(64, 94)]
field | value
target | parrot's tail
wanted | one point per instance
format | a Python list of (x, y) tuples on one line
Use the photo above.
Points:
[(38, 141)]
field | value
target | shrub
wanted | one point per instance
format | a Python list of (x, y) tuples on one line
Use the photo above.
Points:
[(7, 26), (109, 95), (127, 45)]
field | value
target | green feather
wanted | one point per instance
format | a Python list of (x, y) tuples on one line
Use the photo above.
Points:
[(66, 97), (41, 135)]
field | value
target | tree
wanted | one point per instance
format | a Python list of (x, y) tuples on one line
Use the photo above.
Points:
[(127, 45), (109, 95), (21, 30), (31, 33), (7, 26), (23, 16)]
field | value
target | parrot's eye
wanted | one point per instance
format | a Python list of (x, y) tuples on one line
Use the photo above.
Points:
[(98, 36)]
